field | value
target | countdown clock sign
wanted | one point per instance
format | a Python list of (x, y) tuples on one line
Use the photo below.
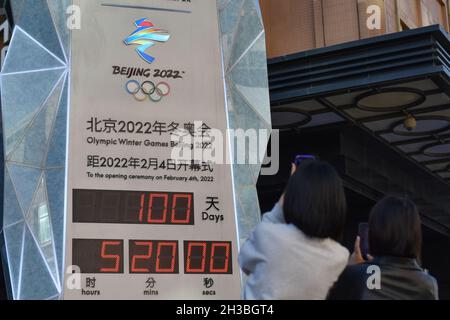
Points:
[(138, 222)]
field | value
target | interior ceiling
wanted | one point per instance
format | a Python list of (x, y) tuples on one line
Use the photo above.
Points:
[(428, 143)]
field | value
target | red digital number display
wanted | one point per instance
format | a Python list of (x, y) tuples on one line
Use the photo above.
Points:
[(153, 256), (133, 207), (98, 256), (207, 257)]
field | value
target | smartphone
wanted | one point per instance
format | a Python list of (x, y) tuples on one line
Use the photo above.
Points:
[(301, 157), (363, 233)]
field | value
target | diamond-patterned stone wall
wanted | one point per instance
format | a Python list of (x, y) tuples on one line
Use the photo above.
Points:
[(34, 99), (245, 64)]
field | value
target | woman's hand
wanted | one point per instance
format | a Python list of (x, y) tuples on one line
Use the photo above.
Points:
[(293, 169), (357, 257)]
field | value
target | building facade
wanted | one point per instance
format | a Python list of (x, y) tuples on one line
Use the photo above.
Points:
[(347, 78), (293, 25)]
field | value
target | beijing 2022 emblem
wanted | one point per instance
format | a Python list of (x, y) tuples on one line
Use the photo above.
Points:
[(145, 36)]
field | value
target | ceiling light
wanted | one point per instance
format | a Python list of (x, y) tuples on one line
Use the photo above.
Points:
[(389, 99), (289, 118), (424, 126)]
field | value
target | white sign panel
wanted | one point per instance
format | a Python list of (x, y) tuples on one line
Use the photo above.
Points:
[(141, 225)]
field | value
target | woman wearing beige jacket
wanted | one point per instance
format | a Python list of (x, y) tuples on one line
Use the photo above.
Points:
[(294, 252)]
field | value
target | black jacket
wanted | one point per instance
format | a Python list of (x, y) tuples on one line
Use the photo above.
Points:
[(401, 279)]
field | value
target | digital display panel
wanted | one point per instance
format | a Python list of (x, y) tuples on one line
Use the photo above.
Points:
[(133, 207), (175, 219), (153, 256), (98, 256), (207, 257)]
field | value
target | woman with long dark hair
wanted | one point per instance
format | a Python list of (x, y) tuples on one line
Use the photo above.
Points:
[(294, 252), (393, 272)]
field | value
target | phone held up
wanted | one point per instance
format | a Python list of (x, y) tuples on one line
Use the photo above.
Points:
[(302, 157), (363, 233)]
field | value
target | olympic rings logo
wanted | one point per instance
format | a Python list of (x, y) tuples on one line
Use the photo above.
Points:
[(154, 92)]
